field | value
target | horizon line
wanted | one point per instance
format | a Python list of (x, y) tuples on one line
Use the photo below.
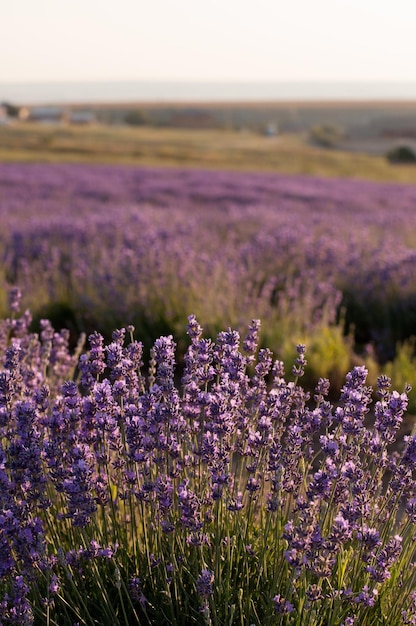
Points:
[(216, 81)]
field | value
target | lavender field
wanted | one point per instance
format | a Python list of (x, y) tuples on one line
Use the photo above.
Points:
[(253, 471), (96, 247)]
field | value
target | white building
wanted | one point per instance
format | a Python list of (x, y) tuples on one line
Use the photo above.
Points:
[(44, 114)]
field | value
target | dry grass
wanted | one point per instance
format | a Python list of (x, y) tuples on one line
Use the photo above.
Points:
[(191, 148)]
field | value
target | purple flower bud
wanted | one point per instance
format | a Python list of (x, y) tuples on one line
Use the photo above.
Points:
[(204, 583), (54, 584), (282, 606), (250, 343), (15, 297)]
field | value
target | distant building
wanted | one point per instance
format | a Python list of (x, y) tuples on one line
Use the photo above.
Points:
[(45, 114), (271, 130), (81, 117), (406, 132), (395, 128), (193, 118), (4, 118)]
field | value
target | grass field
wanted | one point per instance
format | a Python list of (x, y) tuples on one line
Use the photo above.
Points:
[(191, 148)]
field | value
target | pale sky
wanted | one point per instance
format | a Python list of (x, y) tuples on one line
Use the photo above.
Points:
[(207, 40)]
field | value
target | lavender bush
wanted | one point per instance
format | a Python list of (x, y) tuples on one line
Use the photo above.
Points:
[(227, 497)]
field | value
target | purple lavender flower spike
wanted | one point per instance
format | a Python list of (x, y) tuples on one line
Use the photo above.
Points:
[(282, 606), (15, 297), (300, 361), (204, 583), (251, 340)]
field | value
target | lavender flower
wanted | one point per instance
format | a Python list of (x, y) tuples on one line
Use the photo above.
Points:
[(136, 592), (300, 361), (251, 340), (189, 507), (204, 583), (15, 297), (366, 597), (389, 415), (282, 606), (92, 365), (193, 329)]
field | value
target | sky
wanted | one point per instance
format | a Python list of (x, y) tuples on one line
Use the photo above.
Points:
[(200, 40)]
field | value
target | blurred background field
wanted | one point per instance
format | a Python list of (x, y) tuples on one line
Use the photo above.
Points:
[(326, 262), (328, 139)]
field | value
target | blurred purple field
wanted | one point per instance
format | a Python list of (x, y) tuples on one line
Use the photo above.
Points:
[(104, 246)]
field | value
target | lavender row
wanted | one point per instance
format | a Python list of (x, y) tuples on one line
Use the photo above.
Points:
[(158, 244)]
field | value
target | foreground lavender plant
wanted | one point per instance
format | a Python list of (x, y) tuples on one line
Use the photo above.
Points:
[(231, 499)]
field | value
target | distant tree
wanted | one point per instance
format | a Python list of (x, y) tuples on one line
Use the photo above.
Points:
[(136, 118), (11, 109), (401, 154), (326, 135)]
